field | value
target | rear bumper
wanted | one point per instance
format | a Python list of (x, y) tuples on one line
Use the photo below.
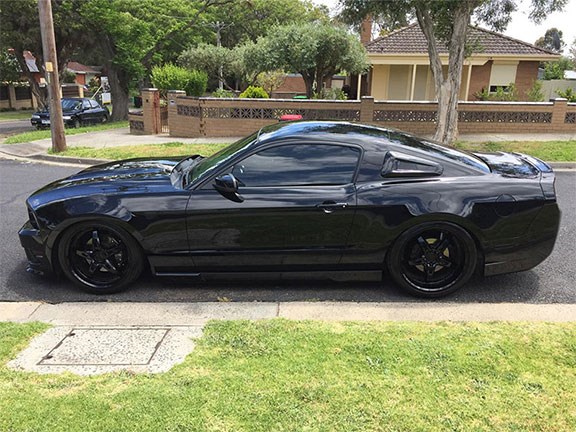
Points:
[(33, 244), (528, 251)]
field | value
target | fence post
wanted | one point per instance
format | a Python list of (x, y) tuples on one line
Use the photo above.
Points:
[(173, 107), (151, 111), (367, 109), (559, 112)]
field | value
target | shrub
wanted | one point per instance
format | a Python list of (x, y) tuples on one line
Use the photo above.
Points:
[(253, 92), (172, 77), (535, 93), (331, 94), (223, 93), (567, 94)]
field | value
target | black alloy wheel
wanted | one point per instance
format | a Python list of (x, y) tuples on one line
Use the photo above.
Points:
[(77, 123), (433, 259), (100, 258)]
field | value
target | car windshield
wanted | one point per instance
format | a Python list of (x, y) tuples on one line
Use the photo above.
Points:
[(70, 104), (209, 164)]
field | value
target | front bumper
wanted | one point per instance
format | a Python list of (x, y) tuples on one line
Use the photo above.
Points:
[(33, 243)]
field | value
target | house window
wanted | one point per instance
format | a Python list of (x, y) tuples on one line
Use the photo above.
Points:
[(502, 75)]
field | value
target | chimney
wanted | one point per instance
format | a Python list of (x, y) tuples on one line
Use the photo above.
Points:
[(366, 30)]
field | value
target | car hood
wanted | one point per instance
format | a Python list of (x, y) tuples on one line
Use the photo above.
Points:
[(129, 176)]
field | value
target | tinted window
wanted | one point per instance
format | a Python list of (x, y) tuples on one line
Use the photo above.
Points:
[(85, 104), (94, 104), (440, 151), (298, 164)]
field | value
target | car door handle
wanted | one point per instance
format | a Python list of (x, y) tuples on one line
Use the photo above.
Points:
[(330, 206)]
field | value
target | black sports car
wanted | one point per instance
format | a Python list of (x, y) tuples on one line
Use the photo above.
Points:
[(75, 112), (309, 198)]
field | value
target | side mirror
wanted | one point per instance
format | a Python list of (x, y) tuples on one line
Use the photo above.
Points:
[(227, 185)]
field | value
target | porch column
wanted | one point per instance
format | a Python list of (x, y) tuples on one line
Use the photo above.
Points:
[(413, 83), (469, 75)]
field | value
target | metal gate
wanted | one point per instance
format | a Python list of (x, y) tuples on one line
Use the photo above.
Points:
[(164, 120)]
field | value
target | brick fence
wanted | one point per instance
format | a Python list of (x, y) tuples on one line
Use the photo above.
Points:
[(221, 117)]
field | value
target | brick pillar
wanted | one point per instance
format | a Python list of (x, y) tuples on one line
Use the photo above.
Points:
[(367, 109), (559, 113), (151, 111), (366, 31), (173, 107)]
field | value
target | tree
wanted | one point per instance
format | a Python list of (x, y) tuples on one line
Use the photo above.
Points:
[(555, 70), (20, 31), (135, 36), (316, 51), (208, 58), (247, 20), (447, 22), (572, 54), (9, 68), (551, 41)]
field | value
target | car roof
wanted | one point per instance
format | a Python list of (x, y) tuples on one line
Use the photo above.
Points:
[(367, 136)]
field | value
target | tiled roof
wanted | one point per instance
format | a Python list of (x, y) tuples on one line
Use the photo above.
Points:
[(80, 68), (411, 40)]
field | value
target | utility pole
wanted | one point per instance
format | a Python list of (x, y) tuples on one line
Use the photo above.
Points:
[(51, 69)]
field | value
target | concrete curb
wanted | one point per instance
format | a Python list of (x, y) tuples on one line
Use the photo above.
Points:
[(197, 314)]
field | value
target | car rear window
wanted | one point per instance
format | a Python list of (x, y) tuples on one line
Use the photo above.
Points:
[(440, 151)]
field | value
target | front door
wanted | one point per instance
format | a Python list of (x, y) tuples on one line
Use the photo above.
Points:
[(297, 206)]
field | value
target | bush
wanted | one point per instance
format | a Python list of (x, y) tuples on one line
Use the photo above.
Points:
[(567, 94), (502, 94), (223, 93), (172, 77), (253, 92), (331, 94), (535, 92)]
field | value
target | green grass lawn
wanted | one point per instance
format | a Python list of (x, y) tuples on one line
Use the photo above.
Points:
[(280, 375), (153, 150), (552, 151), (42, 134), (16, 115)]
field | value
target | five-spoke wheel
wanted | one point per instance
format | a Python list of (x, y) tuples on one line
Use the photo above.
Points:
[(433, 259), (99, 257)]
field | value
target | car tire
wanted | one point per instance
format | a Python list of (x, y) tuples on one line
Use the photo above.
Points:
[(432, 259), (77, 123), (99, 257), (104, 119)]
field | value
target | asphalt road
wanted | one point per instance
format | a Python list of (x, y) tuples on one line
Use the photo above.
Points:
[(11, 127), (553, 281)]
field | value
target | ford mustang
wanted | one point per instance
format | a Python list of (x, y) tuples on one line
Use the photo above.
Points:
[(312, 198)]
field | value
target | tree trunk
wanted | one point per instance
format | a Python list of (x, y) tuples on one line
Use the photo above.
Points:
[(309, 82), (447, 87), (119, 93), (39, 93)]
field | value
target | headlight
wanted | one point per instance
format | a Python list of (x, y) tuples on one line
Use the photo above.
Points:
[(34, 116), (66, 117)]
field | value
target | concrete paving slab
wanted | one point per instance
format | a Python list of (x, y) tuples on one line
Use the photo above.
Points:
[(98, 350), (142, 314), (17, 311), (332, 311)]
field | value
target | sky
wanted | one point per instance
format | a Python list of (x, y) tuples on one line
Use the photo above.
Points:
[(521, 27)]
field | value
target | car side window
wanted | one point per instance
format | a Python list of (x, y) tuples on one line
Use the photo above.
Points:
[(94, 104), (298, 165), (85, 104)]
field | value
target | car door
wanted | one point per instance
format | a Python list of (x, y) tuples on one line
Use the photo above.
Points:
[(87, 113), (295, 207)]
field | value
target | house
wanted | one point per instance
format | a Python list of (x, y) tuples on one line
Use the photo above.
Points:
[(83, 73), (401, 66)]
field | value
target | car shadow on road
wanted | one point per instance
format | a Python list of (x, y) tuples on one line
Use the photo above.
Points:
[(22, 286)]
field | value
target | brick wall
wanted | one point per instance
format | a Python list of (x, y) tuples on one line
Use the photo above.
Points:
[(526, 74), (214, 117), (479, 79)]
